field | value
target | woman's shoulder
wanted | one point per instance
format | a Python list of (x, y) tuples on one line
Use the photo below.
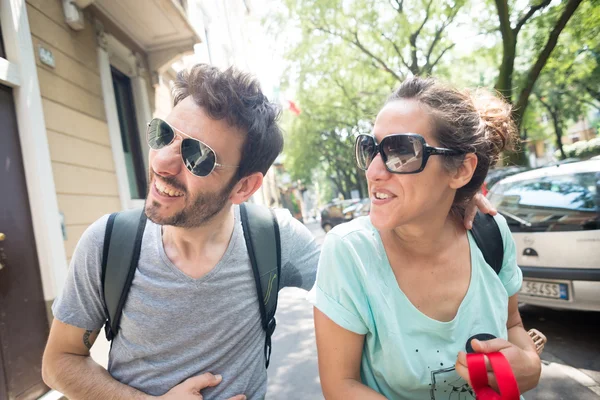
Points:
[(357, 227), (357, 234)]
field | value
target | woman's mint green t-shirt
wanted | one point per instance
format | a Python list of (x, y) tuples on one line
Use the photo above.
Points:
[(408, 355)]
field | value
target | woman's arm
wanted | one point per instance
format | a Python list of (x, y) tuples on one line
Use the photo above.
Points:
[(519, 350), (340, 354), (517, 334)]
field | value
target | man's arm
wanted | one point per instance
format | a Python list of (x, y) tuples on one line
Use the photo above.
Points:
[(299, 253), (68, 367)]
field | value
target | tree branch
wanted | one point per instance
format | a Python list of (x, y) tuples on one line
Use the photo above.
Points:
[(548, 107), (399, 6), (398, 52), (429, 67), (414, 66), (504, 19), (536, 69), (592, 92), (532, 10), (356, 42), (437, 37), (584, 101)]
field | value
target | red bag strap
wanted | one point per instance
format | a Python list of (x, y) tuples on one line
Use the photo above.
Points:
[(507, 383)]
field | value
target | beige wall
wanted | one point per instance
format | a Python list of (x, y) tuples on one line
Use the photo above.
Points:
[(82, 161)]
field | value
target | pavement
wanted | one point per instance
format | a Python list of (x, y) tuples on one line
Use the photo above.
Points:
[(571, 360)]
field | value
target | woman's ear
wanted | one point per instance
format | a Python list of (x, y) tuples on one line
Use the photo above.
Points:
[(246, 187), (464, 172)]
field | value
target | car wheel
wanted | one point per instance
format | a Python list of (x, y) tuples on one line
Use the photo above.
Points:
[(327, 227)]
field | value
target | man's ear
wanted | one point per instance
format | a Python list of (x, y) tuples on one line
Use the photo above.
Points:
[(464, 172), (246, 187)]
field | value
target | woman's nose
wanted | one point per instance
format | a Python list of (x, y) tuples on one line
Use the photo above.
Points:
[(167, 161), (377, 170)]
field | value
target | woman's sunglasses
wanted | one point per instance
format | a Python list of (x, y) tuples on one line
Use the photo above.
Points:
[(197, 156), (402, 153)]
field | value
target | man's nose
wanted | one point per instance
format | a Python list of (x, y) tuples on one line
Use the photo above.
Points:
[(377, 170), (167, 161)]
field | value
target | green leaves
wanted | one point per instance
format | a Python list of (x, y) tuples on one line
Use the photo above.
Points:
[(346, 60)]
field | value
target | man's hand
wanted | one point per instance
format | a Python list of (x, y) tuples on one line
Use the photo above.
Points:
[(190, 388), (480, 202), (526, 365), (539, 339)]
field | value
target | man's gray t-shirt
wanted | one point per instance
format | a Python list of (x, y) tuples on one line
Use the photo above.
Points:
[(174, 327)]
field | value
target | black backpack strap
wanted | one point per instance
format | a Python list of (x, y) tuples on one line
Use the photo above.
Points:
[(261, 232), (122, 244), (489, 240)]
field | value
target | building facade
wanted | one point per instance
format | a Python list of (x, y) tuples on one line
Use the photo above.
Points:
[(79, 80)]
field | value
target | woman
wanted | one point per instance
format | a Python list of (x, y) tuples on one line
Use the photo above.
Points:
[(400, 293)]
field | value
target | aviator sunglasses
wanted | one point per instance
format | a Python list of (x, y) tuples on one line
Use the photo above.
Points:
[(402, 153), (198, 157)]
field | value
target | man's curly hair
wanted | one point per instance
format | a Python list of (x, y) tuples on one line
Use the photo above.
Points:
[(236, 97)]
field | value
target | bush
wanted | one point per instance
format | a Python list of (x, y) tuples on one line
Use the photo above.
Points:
[(583, 149)]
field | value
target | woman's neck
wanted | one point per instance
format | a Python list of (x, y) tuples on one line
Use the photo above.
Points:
[(427, 238)]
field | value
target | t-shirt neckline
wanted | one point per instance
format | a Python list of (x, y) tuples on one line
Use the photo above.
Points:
[(223, 261), (416, 315)]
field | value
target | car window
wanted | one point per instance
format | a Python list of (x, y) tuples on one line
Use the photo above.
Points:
[(551, 203)]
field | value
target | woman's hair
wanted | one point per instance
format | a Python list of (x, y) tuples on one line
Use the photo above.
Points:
[(470, 122)]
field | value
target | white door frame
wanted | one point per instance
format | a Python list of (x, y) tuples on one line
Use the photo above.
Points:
[(20, 72), (111, 51)]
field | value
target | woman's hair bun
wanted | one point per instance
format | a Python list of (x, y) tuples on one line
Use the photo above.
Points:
[(499, 128)]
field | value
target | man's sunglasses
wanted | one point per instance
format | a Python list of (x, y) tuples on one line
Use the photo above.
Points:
[(197, 156), (402, 153)]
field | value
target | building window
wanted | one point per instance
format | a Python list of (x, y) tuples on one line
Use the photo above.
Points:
[(130, 137), (2, 53)]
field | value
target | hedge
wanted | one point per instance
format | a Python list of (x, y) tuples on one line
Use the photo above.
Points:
[(583, 149)]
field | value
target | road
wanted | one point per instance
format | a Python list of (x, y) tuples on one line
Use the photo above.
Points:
[(571, 360)]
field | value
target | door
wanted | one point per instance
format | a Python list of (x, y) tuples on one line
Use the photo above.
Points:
[(23, 320), (130, 136)]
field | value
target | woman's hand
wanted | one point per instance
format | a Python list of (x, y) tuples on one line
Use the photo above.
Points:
[(526, 365), (481, 203)]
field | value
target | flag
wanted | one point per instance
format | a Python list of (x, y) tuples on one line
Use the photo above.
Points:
[(294, 108)]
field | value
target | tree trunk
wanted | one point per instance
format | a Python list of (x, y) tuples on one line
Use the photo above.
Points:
[(504, 83), (509, 50), (536, 69), (559, 132)]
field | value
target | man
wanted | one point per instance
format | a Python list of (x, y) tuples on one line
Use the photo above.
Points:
[(193, 306), (192, 320)]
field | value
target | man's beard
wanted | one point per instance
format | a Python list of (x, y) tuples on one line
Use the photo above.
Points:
[(201, 210)]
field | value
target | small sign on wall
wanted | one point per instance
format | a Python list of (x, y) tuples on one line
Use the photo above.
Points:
[(46, 57)]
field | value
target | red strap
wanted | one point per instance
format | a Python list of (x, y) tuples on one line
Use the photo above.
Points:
[(507, 383)]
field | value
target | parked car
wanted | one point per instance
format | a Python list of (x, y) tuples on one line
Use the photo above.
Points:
[(554, 215), (496, 174), (363, 208), (561, 162), (337, 212)]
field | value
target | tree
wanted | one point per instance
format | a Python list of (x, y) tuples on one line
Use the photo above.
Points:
[(347, 59), (510, 35), (562, 89)]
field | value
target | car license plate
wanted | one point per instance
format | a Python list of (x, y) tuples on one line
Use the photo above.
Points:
[(545, 289)]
